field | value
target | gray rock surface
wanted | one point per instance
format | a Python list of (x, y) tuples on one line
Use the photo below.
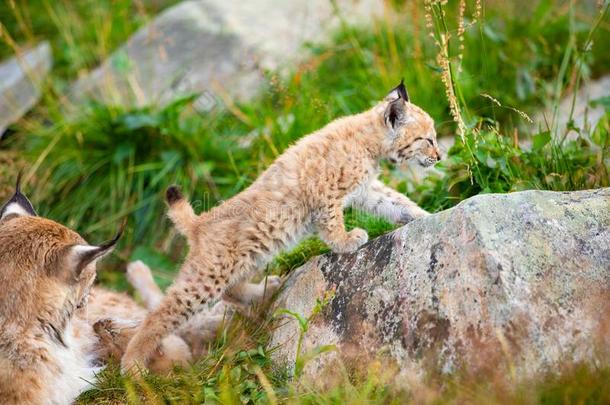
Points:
[(20, 80), (519, 280), (214, 47)]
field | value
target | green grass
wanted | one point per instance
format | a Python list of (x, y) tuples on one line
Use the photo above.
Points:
[(81, 32), (246, 375), (491, 163), (92, 169)]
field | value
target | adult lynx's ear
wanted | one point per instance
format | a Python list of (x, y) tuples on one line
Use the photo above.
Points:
[(18, 204), (80, 256)]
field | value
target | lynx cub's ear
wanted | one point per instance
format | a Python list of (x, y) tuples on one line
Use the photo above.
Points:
[(80, 256), (18, 204), (395, 113), (397, 92)]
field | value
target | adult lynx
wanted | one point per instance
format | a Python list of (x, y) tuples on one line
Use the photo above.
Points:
[(57, 331)]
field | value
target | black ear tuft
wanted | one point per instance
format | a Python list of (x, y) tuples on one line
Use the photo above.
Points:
[(402, 90), (83, 255), (18, 185), (18, 204)]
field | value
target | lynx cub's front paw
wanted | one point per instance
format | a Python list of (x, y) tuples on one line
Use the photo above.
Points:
[(355, 238), (411, 214), (271, 284)]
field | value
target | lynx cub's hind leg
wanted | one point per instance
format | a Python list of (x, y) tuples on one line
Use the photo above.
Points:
[(200, 280), (388, 203), (186, 297), (203, 327)]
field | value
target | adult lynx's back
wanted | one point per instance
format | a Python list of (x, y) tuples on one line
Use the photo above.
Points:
[(303, 191)]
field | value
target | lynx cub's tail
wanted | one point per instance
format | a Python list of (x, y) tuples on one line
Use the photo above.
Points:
[(180, 211)]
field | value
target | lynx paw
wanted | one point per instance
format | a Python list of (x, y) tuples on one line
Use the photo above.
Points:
[(408, 216), (104, 327), (355, 238), (132, 366), (271, 284), (107, 346), (138, 274)]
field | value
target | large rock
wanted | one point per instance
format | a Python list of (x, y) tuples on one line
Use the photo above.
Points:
[(521, 279), (20, 81), (214, 47)]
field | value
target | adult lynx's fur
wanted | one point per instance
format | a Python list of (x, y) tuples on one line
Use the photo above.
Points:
[(303, 191), (47, 354)]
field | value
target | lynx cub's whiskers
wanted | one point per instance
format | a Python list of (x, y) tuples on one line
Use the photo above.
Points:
[(303, 191)]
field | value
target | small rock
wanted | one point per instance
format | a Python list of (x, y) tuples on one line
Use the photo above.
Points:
[(519, 280), (21, 77)]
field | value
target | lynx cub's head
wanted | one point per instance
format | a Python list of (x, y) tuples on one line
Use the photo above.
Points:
[(46, 271), (410, 130)]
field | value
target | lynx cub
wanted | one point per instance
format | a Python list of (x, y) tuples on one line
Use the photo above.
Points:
[(56, 331), (303, 191)]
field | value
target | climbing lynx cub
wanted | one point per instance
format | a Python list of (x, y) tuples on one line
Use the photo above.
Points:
[(56, 331), (303, 191)]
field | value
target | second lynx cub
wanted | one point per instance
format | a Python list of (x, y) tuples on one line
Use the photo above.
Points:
[(303, 191)]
